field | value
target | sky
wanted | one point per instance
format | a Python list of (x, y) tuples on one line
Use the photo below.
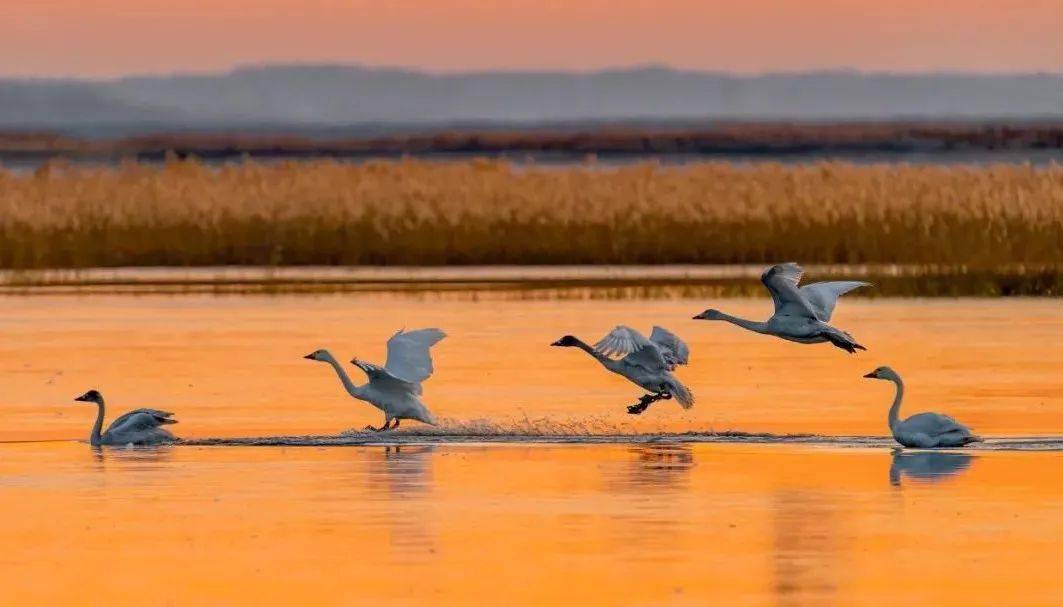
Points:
[(106, 38)]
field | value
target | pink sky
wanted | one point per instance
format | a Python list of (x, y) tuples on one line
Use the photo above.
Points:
[(98, 38)]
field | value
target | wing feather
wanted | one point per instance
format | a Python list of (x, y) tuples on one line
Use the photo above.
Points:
[(675, 350), (623, 341), (408, 354), (781, 281), (823, 296)]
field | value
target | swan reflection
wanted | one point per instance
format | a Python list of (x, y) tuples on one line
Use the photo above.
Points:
[(926, 466)]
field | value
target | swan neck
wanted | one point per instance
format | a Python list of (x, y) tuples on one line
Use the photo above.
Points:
[(97, 427), (752, 325), (345, 379), (605, 360), (895, 409)]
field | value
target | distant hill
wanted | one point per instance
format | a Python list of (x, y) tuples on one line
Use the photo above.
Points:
[(317, 96)]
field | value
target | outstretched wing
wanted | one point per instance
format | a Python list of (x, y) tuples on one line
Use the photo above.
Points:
[(823, 296), (633, 346), (408, 357), (675, 350), (781, 281), (382, 379)]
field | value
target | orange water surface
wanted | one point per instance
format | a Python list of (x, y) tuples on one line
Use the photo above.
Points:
[(522, 524), (233, 366)]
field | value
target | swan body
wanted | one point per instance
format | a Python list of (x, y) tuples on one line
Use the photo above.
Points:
[(647, 363), (922, 430), (801, 313), (137, 427), (395, 388)]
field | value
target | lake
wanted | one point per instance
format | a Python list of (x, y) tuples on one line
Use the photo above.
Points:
[(641, 523)]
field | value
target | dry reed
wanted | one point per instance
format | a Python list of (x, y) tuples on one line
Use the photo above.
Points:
[(409, 212)]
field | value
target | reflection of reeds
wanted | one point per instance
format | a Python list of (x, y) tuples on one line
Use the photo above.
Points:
[(489, 212)]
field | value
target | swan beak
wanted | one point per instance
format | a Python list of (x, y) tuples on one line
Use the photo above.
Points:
[(309, 357), (557, 343), (700, 316), (871, 375)]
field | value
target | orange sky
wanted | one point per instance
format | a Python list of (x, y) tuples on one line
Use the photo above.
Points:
[(109, 37)]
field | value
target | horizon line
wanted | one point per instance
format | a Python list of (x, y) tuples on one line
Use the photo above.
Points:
[(457, 72)]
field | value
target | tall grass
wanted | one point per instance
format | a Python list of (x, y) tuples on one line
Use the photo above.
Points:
[(491, 212)]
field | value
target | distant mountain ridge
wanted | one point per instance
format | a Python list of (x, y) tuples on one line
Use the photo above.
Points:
[(333, 94)]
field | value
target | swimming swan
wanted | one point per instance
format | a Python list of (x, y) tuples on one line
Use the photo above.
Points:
[(801, 314), (394, 388), (138, 427), (648, 363), (922, 430)]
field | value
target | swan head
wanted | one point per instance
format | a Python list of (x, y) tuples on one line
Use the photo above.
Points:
[(882, 373), (321, 355), (709, 315), (92, 396), (567, 341)]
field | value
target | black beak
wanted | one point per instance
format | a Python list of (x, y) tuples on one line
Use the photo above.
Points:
[(309, 356), (556, 343), (83, 398), (871, 375)]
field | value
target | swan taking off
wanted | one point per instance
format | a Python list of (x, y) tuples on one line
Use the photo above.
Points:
[(394, 388), (648, 363), (138, 427), (922, 430), (801, 314)]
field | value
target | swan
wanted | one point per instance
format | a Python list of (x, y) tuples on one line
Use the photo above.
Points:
[(801, 314), (394, 388), (138, 427), (922, 430), (648, 363)]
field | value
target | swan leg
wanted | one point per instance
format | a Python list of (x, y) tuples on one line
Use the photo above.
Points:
[(644, 403), (387, 422)]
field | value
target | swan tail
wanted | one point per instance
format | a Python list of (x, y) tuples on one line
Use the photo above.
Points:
[(681, 394)]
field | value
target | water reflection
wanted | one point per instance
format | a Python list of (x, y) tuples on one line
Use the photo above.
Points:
[(658, 467), (401, 471), (399, 477), (138, 458), (926, 466), (806, 548)]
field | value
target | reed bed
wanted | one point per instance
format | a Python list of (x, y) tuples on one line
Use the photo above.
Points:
[(409, 212)]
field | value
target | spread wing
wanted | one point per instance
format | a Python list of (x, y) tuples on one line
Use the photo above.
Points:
[(633, 347), (823, 296), (382, 379), (408, 356), (675, 350), (781, 281)]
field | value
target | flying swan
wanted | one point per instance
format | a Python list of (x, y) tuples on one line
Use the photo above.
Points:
[(801, 314), (648, 363)]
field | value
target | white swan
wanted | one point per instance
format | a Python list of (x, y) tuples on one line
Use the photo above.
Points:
[(138, 427), (801, 314), (648, 363), (394, 388), (922, 430)]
